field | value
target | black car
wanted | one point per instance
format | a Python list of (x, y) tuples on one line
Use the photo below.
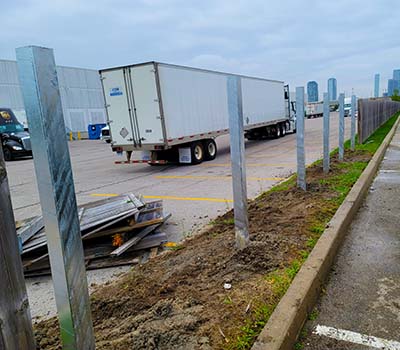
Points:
[(15, 140)]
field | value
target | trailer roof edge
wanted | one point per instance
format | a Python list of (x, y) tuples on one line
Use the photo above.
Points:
[(189, 68)]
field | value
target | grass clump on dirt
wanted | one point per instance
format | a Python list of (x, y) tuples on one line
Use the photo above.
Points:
[(343, 176), (178, 300)]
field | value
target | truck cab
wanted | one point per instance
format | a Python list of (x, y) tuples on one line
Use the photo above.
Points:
[(15, 140), (347, 106), (290, 103)]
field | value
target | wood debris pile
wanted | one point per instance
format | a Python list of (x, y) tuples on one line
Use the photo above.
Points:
[(115, 231)]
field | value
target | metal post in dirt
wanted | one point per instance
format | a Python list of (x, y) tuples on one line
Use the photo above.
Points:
[(353, 122), (341, 126), (236, 132), (301, 161), (326, 160), (15, 319), (40, 90)]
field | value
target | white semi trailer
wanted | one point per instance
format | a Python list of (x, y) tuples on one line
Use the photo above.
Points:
[(314, 109), (173, 113)]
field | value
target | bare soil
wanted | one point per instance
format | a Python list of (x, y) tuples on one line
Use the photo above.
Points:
[(178, 300)]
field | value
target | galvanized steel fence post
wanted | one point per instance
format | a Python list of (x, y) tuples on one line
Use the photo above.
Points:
[(301, 161), (326, 161), (40, 90), (341, 126), (353, 122), (15, 319), (236, 132)]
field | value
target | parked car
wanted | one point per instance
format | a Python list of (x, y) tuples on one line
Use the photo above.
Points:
[(15, 140)]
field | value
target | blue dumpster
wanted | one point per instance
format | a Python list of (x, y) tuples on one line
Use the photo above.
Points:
[(94, 131)]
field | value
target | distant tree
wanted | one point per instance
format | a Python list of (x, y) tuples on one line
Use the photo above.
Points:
[(395, 96)]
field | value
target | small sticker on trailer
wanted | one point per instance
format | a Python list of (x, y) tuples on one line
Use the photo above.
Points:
[(115, 91)]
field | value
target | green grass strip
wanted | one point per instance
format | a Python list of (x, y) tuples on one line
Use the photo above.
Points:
[(281, 279)]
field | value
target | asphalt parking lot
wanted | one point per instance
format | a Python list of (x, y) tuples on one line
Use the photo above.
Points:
[(194, 195)]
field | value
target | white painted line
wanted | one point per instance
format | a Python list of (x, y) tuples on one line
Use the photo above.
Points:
[(357, 338)]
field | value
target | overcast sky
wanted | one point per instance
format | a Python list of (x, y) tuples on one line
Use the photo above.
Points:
[(294, 41)]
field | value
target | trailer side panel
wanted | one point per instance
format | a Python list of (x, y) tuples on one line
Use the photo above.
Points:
[(263, 101), (194, 102)]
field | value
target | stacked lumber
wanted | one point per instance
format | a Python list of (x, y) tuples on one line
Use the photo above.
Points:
[(115, 231)]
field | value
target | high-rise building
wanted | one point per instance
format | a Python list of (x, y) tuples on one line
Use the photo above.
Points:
[(312, 91), (396, 74), (332, 89), (393, 85), (376, 85)]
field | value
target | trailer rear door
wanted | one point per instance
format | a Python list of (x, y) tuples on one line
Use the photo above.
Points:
[(133, 105), (145, 98), (115, 95)]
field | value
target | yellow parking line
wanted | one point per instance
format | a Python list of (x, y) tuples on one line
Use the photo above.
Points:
[(223, 200), (250, 165), (220, 200), (224, 177), (104, 194)]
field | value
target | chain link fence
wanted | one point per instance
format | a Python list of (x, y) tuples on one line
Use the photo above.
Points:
[(372, 113)]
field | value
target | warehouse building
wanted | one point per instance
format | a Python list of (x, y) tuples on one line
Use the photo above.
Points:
[(80, 89)]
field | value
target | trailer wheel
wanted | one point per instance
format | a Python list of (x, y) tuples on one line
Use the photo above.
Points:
[(197, 151), (283, 129), (210, 149), (277, 131)]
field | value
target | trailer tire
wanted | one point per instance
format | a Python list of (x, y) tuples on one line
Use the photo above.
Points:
[(197, 152), (210, 149), (283, 129), (277, 131)]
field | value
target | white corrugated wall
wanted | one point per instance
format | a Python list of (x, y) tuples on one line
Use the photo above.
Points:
[(81, 95)]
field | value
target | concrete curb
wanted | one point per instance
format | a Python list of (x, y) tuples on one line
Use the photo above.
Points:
[(286, 322)]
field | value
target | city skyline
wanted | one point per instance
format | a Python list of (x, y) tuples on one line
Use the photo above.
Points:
[(312, 91), (393, 84), (332, 89), (376, 85), (396, 74)]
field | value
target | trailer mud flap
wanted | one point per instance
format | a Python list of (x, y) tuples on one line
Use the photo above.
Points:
[(185, 155), (145, 155)]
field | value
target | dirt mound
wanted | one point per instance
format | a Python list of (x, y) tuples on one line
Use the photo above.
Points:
[(169, 324), (178, 301)]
